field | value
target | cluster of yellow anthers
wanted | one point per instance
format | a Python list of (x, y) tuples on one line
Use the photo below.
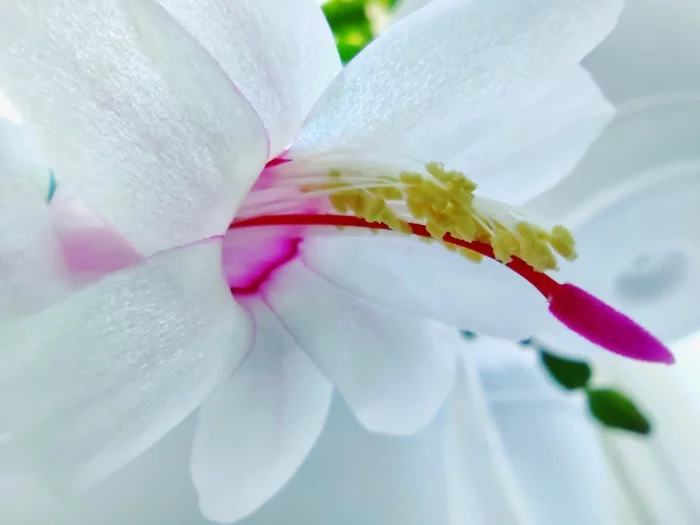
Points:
[(445, 203)]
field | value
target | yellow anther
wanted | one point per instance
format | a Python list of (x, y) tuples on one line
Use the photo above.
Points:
[(410, 178), (338, 202), (563, 243), (444, 202), (471, 255), (374, 208)]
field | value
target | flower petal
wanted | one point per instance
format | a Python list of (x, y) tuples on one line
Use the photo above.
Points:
[(133, 114), (279, 53), (481, 485), (91, 382), (451, 72), (32, 272), (640, 253), (394, 370), (551, 442), (429, 281), (542, 145), (256, 429), (20, 157)]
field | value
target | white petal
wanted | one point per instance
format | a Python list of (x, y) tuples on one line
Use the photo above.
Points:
[(134, 114), (430, 281), (481, 486), (279, 53), (93, 381), (256, 429), (451, 72), (32, 270), (394, 370), (20, 157), (551, 442), (542, 145)]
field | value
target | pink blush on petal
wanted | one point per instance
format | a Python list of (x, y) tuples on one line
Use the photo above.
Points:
[(91, 247)]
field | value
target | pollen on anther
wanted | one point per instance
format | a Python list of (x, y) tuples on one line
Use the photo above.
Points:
[(445, 203)]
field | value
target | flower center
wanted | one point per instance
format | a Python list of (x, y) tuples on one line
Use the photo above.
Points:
[(442, 207)]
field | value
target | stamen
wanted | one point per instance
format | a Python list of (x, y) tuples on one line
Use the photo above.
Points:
[(578, 310), (445, 203)]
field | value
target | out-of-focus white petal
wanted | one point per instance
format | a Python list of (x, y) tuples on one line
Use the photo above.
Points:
[(132, 113), (393, 369), (257, 428), (481, 486), (279, 53), (429, 281), (91, 382), (640, 251), (541, 145), (551, 442), (440, 79), (659, 472), (20, 157)]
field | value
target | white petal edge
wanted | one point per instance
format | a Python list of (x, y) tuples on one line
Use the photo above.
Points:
[(257, 428), (394, 370), (429, 281), (132, 113), (442, 77), (92, 382), (281, 54), (542, 145)]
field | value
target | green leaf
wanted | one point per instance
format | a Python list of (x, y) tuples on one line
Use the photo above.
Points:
[(613, 409), (350, 25), (569, 373)]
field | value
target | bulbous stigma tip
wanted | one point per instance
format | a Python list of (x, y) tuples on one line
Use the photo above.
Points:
[(601, 324)]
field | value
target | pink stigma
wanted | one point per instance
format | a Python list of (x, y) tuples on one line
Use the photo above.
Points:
[(603, 325), (575, 308)]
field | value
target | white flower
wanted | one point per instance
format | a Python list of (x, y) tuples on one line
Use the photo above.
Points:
[(172, 126)]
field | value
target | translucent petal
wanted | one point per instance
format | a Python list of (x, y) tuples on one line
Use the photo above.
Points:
[(256, 429), (551, 442), (32, 270), (481, 485), (439, 79), (394, 370), (429, 281), (91, 382), (279, 53), (541, 145), (133, 114)]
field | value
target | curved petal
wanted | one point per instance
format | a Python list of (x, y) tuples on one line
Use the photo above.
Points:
[(481, 486), (660, 473), (32, 270), (640, 252), (429, 281), (133, 114), (551, 442), (541, 145), (451, 72), (279, 53), (394, 370), (91, 382), (256, 429), (20, 157)]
